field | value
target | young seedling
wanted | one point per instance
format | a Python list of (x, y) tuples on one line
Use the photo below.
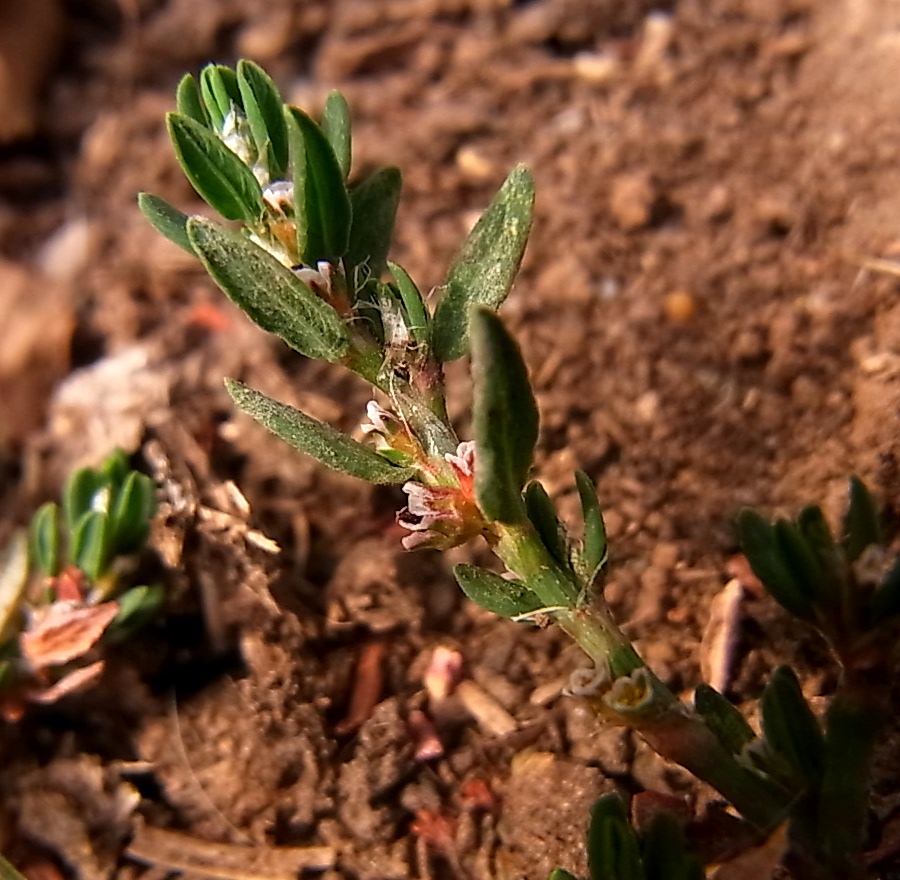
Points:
[(307, 259), (64, 585)]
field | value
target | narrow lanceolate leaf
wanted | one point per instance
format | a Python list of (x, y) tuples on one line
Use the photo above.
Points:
[(494, 593), (803, 563), (505, 419), (91, 543), (115, 468), (13, 580), (418, 320), (132, 511), (862, 524), (166, 220), (219, 90), (217, 173), (817, 536), (542, 514), (8, 872), (665, 855), (484, 269), (336, 125), (265, 114), (136, 607), (319, 190), (270, 293), (790, 727), (593, 548), (188, 100), (321, 441), (45, 539), (80, 495), (760, 546), (374, 204), (723, 719), (612, 844)]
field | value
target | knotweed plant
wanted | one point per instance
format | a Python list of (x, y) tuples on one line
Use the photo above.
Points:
[(305, 257), (66, 588)]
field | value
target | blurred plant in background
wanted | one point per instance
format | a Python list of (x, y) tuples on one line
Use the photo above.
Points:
[(66, 588)]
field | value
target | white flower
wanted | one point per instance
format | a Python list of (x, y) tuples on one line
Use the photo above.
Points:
[(279, 195), (464, 459)]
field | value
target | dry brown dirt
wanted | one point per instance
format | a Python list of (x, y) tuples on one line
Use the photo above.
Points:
[(707, 325)]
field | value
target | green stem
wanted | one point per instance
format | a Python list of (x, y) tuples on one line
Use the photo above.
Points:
[(853, 721), (672, 729)]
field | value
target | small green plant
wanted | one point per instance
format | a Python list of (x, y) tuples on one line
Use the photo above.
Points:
[(64, 584), (308, 261), (616, 851)]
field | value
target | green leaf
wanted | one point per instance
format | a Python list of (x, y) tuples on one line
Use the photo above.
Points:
[(91, 543), (268, 292), (265, 114), (13, 580), (664, 852), (790, 727), (115, 468), (166, 220), (494, 593), (336, 125), (189, 102), (45, 539), (136, 606), (132, 511), (374, 206), (817, 536), (413, 304), (485, 267), (612, 844), (79, 495), (862, 522), (504, 416), (8, 872), (542, 514), (760, 546), (594, 547), (219, 89), (803, 563), (324, 443), (561, 874), (723, 719), (323, 204), (215, 172)]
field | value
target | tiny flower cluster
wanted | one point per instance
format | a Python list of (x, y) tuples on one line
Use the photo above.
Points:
[(440, 512), (441, 517)]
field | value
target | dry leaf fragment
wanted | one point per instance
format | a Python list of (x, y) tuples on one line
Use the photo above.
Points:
[(64, 632), (720, 638), (68, 684)]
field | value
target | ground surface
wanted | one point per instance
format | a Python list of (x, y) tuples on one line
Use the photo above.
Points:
[(701, 327)]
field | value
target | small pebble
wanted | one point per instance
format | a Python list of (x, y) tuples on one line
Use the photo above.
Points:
[(664, 556), (490, 715), (631, 200), (594, 67), (679, 306), (647, 407), (474, 165)]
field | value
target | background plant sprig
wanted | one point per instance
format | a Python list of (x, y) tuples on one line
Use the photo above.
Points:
[(66, 585)]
